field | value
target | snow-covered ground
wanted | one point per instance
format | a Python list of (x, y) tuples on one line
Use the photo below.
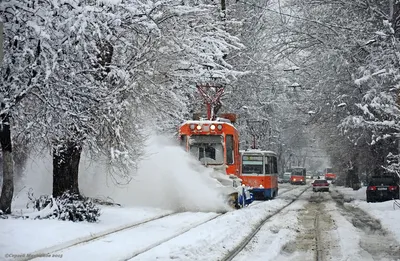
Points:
[(386, 212), (19, 236), (209, 241), (203, 239), (169, 181)]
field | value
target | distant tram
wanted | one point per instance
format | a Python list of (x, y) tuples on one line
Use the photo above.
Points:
[(298, 176), (329, 174), (260, 172)]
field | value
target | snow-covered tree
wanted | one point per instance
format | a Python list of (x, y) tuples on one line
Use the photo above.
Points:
[(92, 72), (24, 69), (348, 54)]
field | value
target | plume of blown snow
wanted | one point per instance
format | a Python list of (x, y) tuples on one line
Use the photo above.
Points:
[(37, 178), (167, 178)]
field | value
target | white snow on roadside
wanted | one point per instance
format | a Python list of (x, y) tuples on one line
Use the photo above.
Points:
[(386, 212)]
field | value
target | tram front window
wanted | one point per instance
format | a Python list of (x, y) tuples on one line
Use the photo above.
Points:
[(207, 149), (252, 165), (208, 153), (298, 172)]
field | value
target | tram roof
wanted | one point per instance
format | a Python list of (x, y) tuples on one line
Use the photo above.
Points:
[(258, 151), (207, 122)]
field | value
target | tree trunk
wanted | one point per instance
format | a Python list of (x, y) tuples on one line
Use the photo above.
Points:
[(7, 189), (20, 157), (65, 168), (395, 17)]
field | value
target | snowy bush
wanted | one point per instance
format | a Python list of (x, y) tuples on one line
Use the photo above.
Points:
[(68, 206)]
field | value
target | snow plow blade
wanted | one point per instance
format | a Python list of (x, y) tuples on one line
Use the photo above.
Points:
[(236, 195)]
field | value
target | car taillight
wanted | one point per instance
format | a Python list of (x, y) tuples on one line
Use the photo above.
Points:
[(392, 187), (371, 188)]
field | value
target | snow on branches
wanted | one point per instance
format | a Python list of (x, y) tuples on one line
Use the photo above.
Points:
[(93, 69), (93, 72)]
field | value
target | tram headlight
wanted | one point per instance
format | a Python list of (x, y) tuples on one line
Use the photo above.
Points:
[(198, 127), (219, 127), (261, 186), (212, 127), (192, 126)]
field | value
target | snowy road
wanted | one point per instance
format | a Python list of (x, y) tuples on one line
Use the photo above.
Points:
[(298, 225), (326, 229)]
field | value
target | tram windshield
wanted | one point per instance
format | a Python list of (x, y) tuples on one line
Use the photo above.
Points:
[(207, 148), (252, 164), (298, 172), (328, 170)]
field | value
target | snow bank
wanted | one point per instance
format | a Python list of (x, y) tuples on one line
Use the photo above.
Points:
[(386, 212)]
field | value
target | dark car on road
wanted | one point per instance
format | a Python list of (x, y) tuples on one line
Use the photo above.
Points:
[(382, 188)]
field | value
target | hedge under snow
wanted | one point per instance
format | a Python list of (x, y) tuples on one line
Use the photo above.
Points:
[(68, 206)]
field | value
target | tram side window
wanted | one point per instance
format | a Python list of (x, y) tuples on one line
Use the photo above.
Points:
[(267, 165), (229, 149), (274, 165)]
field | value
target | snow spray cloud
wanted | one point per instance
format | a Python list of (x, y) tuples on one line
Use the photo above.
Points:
[(168, 178), (37, 178)]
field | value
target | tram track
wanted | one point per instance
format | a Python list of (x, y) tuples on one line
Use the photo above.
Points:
[(92, 237), (100, 241), (155, 244), (76, 243), (257, 202), (175, 235), (241, 246), (318, 242)]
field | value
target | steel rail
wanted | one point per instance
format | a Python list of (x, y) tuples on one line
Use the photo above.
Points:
[(232, 254)]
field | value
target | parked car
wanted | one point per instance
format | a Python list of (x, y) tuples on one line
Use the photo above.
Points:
[(286, 177), (382, 188), (320, 185)]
